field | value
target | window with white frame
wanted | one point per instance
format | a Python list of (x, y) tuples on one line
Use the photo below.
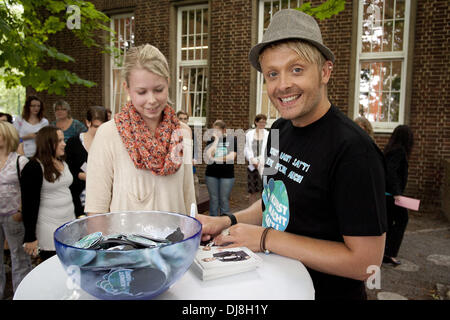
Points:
[(267, 8), (383, 27), (192, 62), (123, 26)]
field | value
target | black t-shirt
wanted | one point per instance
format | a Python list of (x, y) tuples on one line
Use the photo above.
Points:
[(325, 181), (225, 146)]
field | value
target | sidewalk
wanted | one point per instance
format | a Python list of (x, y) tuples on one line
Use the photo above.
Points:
[(425, 254)]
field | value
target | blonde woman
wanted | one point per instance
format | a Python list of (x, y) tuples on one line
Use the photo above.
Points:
[(11, 226), (365, 125), (142, 158)]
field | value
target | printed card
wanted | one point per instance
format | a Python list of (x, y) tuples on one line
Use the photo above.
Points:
[(216, 262)]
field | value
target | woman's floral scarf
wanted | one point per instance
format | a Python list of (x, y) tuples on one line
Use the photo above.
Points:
[(161, 153)]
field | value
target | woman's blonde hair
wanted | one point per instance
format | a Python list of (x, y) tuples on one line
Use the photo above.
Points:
[(146, 57), (220, 124), (365, 125), (10, 135)]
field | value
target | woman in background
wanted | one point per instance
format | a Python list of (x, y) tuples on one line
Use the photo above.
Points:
[(219, 175), (46, 198), (365, 125), (109, 113), (11, 225), (255, 144), (397, 153), (6, 117), (71, 127), (29, 123), (77, 149)]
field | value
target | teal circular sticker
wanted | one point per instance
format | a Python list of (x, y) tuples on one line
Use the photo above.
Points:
[(276, 202)]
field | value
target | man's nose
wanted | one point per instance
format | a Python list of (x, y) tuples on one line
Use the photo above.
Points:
[(285, 81)]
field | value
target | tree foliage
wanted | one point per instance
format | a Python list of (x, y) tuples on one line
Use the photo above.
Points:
[(25, 29), (11, 100), (324, 11)]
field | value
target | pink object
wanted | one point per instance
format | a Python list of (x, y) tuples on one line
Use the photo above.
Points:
[(408, 203)]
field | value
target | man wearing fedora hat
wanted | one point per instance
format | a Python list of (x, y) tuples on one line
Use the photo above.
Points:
[(323, 201)]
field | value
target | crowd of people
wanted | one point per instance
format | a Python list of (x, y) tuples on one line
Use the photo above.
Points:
[(334, 211)]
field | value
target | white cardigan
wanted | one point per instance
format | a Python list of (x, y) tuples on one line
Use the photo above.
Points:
[(248, 150), (114, 184)]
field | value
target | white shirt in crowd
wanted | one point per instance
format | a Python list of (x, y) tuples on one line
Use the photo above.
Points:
[(24, 128)]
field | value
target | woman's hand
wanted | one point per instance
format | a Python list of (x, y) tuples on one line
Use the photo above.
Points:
[(212, 226), (29, 136), (17, 217), (255, 162), (241, 235), (31, 248)]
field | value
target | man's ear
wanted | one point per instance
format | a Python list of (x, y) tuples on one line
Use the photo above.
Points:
[(327, 68)]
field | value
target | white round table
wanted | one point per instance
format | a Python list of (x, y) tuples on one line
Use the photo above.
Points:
[(278, 278)]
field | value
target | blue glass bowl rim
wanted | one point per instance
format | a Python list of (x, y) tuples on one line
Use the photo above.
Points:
[(127, 212)]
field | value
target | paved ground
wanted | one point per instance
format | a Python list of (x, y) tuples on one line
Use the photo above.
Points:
[(425, 253)]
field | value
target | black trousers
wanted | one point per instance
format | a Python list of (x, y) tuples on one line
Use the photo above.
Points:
[(397, 218)]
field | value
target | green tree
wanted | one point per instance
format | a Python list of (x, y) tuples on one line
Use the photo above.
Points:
[(11, 100), (325, 10), (25, 29)]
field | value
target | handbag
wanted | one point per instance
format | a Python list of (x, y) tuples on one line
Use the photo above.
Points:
[(18, 217)]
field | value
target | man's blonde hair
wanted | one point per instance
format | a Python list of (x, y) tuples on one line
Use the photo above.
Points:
[(304, 49), (10, 135), (146, 57)]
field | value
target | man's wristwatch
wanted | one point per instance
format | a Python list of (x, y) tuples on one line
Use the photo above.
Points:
[(232, 218)]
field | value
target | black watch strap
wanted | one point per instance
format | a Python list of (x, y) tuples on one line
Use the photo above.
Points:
[(232, 218)]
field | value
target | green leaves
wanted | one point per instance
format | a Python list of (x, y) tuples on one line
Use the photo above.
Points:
[(324, 11), (53, 80), (25, 29)]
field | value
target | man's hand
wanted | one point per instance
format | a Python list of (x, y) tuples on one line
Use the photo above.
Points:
[(241, 235)]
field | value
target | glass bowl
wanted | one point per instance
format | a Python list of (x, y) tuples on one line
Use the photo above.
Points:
[(132, 274)]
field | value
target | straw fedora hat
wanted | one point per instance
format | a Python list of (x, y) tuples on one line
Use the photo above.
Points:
[(290, 24)]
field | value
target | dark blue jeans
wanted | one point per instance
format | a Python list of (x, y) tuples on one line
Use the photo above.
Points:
[(219, 194)]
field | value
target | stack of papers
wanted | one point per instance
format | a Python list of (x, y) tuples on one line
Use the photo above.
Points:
[(216, 262)]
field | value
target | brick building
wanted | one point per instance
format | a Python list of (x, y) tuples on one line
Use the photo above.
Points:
[(391, 65)]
